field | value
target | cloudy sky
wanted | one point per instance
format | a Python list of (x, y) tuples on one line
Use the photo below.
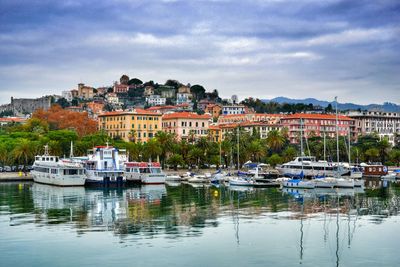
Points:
[(259, 48)]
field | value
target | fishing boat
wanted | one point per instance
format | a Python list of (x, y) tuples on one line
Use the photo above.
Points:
[(105, 166), (144, 172), (52, 170)]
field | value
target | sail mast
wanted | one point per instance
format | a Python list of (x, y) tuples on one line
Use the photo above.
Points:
[(337, 136)]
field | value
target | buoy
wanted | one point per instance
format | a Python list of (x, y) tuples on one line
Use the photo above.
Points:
[(20, 173), (215, 193)]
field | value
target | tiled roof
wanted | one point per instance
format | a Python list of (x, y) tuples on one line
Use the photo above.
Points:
[(316, 116), (186, 115), (137, 111), (12, 119)]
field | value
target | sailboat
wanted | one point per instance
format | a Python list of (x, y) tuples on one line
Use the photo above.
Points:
[(240, 180)]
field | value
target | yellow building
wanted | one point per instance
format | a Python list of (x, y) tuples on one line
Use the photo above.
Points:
[(137, 126)]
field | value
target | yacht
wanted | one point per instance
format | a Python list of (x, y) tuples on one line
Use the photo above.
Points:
[(308, 166), (105, 166), (55, 171), (144, 172)]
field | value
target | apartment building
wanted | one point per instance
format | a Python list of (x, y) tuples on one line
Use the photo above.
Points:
[(186, 125)]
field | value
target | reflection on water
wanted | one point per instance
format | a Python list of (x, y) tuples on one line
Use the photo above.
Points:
[(316, 226)]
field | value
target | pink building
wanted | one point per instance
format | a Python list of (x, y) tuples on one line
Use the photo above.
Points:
[(317, 124), (186, 125)]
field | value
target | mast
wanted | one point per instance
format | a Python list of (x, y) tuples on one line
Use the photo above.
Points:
[(238, 142), (71, 153), (349, 147), (301, 138), (324, 151), (337, 137), (220, 152)]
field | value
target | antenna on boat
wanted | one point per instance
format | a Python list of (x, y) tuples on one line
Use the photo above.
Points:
[(71, 152), (107, 144), (46, 150)]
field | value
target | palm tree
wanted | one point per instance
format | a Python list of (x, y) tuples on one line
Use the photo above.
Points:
[(256, 150), (275, 140), (166, 141), (153, 149), (23, 152)]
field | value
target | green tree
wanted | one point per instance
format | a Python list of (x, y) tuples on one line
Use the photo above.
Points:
[(372, 154), (274, 160), (275, 140), (23, 152), (175, 160)]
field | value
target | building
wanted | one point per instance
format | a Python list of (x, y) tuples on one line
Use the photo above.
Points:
[(218, 132), (85, 92), (137, 126), (74, 93), (11, 120), (112, 98), (186, 125), (234, 109), (67, 95), (23, 106), (183, 98), (250, 117), (385, 124), (317, 125), (162, 109), (202, 104), (148, 91), (214, 110), (120, 88), (167, 91), (155, 100)]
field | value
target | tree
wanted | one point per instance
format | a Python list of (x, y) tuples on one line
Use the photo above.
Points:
[(289, 153), (135, 81), (372, 154), (175, 160), (173, 83), (198, 91), (256, 150), (166, 141), (63, 102), (394, 156), (152, 149), (275, 140), (274, 160), (23, 152)]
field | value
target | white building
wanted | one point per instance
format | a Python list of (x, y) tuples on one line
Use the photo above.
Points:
[(233, 109), (385, 124), (156, 100), (183, 98), (67, 95), (112, 98)]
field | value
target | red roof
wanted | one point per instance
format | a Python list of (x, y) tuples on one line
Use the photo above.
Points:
[(316, 116), (136, 111), (186, 115), (12, 119), (160, 108)]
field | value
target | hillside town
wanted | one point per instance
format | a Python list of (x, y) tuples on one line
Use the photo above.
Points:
[(135, 111)]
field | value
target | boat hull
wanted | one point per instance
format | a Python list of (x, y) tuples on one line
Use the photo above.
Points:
[(59, 180)]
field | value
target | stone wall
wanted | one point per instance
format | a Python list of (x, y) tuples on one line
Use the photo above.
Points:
[(21, 106)]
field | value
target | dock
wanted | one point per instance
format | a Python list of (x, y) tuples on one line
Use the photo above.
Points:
[(15, 177)]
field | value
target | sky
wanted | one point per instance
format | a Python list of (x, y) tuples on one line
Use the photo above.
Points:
[(257, 48)]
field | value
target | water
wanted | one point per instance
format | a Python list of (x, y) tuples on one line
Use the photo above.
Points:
[(43, 225)]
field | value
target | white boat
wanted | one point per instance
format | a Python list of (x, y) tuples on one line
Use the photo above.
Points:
[(173, 177), (144, 172), (308, 166), (240, 181), (299, 183), (105, 166), (55, 171), (198, 179)]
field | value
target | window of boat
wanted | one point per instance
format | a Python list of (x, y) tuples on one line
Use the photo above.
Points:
[(144, 170), (155, 170), (54, 171), (72, 171)]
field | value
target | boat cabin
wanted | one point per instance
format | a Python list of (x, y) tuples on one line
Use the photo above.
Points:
[(142, 167), (47, 158), (375, 170)]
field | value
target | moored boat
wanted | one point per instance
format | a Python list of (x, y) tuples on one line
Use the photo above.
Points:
[(144, 172), (52, 170)]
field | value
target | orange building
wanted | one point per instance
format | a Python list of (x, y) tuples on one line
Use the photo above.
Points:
[(214, 110), (138, 125)]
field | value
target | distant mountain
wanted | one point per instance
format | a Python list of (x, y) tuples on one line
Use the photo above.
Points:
[(387, 106)]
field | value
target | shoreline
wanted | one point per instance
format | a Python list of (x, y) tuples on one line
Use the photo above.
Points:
[(15, 177)]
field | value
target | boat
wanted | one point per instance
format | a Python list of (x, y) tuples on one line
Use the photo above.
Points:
[(392, 175), (310, 167), (199, 179), (52, 170), (173, 177), (144, 172), (374, 169), (105, 166), (241, 181), (299, 183)]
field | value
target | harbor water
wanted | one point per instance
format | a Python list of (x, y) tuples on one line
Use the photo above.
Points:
[(185, 225)]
